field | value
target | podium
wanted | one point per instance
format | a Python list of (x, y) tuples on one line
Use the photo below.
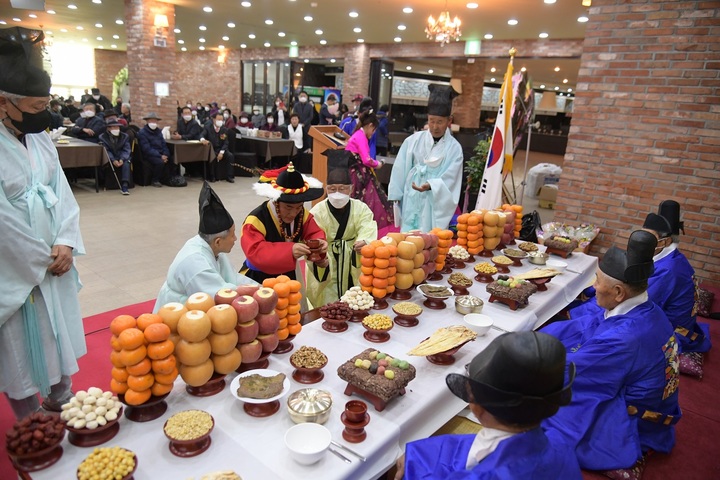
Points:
[(323, 139)]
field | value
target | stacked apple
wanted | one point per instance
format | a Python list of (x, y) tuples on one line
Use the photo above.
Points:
[(257, 322), (288, 304), (444, 244), (142, 358), (378, 264), (514, 213)]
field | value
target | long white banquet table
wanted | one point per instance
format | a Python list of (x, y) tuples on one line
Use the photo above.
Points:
[(254, 447)]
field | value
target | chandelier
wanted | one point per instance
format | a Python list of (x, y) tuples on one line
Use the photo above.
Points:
[(443, 30)]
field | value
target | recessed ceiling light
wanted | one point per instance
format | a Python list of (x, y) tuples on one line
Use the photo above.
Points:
[(116, 37), (184, 49), (401, 27), (542, 86), (306, 61), (99, 39), (583, 19), (493, 69), (242, 45), (231, 25), (119, 22), (512, 22), (51, 12), (72, 7), (353, 14), (407, 10), (269, 22), (488, 36), (221, 47), (397, 39), (79, 27), (431, 71), (492, 79), (202, 27), (472, 5), (308, 18), (251, 36), (357, 29), (3, 22), (281, 34), (98, 25), (361, 40), (225, 38), (557, 69), (557, 88), (565, 80), (63, 30), (207, 9), (569, 89), (332, 60), (267, 44), (32, 15), (177, 30), (181, 41), (201, 40), (202, 47), (543, 35), (246, 4), (97, 1), (113, 46), (408, 67), (549, 1), (318, 32), (84, 39), (523, 69), (562, 94), (323, 42), (16, 20), (293, 43)]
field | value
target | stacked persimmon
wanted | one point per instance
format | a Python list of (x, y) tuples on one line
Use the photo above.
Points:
[(378, 266), (142, 358), (288, 304), (444, 243), (470, 232)]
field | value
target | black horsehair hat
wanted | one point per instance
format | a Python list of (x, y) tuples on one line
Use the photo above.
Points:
[(214, 218), (21, 63), (338, 166), (441, 98), (519, 378), (634, 265), (290, 186), (658, 224), (670, 209)]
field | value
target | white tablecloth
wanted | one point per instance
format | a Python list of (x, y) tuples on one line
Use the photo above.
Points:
[(254, 447)]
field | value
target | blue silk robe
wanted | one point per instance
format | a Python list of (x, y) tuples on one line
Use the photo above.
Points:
[(626, 359), (527, 455)]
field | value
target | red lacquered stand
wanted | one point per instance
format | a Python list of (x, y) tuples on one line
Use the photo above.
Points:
[(541, 283), (308, 376), (285, 346), (484, 277), (190, 448), (358, 315), (260, 364), (376, 336), (433, 277), (459, 289), (435, 303), (376, 401), (513, 304), (445, 358), (354, 432), (261, 409), (334, 325), (406, 320), (154, 408), (487, 253), (32, 462), (402, 294), (380, 304), (215, 385), (557, 251), (83, 437)]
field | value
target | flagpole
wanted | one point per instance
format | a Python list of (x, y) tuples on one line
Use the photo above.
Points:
[(527, 154)]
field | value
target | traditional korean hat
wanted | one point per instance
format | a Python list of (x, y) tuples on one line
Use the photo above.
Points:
[(657, 224), (290, 186), (338, 167), (152, 115), (670, 209), (113, 123), (519, 378), (441, 98), (634, 265), (213, 216), (21, 62)]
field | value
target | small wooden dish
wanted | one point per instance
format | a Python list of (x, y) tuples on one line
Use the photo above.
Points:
[(335, 325), (39, 460), (215, 385), (376, 335), (308, 376), (190, 448), (285, 346), (154, 408), (83, 437), (484, 277), (402, 294), (502, 268)]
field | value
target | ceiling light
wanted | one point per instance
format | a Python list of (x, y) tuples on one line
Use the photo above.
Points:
[(32, 15), (293, 43), (251, 36), (116, 37), (512, 22), (231, 25), (3, 22), (84, 39), (565, 80), (488, 36), (407, 10), (353, 14), (408, 67), (431, 71), (183, 49), (361, 40), (493, 69), (357, 29), (201, 40), (397, 39), (225, 38), (113, 46), (202, 47), (523, 69), (281, 34), (562, 94), (269, 22), (119, 22), (51, 12), (492, 79), (63, 30), (443, 29), (557, 69), (72, 7), (323, 42), (308, 18), (97, 1), (557, 88), (207, 9), (472, 5), (16, 20), (202, 27), (306, 61), (549, 1), (583, 19), (242, 45), (569, 89), (246, 4), (401, 27), (221, 47), (332, 60), (177, 30), (543, 35), (267, 44), (542, 86), (79, 27), (318, 32), (179, 41)]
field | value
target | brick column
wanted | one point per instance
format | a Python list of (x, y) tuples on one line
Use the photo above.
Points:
[(357, 70), (148, 64), (466, 107), (645, 124)]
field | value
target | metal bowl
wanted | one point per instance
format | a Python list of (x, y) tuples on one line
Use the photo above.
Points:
[(538, 258), (309, 405), (466, 304)]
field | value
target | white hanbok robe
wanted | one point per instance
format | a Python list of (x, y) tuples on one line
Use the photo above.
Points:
[(440, 164), (37, 211), (195, 269)]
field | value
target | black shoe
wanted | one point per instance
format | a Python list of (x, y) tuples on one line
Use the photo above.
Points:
[(156, 184), (230, 180)]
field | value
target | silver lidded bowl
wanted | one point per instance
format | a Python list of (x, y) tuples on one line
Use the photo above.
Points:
[(466, 304), (309, 405), (538, 258)]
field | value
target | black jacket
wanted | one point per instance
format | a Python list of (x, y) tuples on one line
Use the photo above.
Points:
[(189, 130), (96, 124), (218, 140), (118, 148)]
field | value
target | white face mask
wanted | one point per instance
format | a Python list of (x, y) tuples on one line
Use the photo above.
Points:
[(226, 115), (82, 114), (187, 118), (189, 105), (115, 132), (152, 126), (277, 104), (303, 99), (96, 97), (89, 114), (223, 107), (338, 200), (219, 123), (271, 120), (194, 113), (243, 120)]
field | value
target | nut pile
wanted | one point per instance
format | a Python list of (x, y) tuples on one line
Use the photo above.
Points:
[(486, 268), (501, 260), (407, 308), (336, 311), (188, 425), (33, 433), (378, 321), (107, 463), (358, 299), (459, 279), (308, 357), (528, 247), (459, 252), (91, 409)]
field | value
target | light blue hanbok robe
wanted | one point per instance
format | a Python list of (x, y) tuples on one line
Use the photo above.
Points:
[(37, 211), (195, 269), (440, 164)]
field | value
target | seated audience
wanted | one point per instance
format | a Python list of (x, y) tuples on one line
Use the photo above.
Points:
[(295, 131), (153, 147), (273, 234), (203, 265), (218, 136), (69, 110), (230, 119), (244, 121), (102, 100), (56, 118), (625, 398), (269, 124), (90, 126), (348, 225), (112, 116), (125, 113), (511, 386), (187, 127), (257, 119), (118, 147)]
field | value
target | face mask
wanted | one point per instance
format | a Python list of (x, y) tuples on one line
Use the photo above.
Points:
[(82, 114), (187, 118), (226, 115), (338, 200), (243, 120), (89, 114), (277, 104), (32, 122), (270, 120), (152, 126), (96, 97), (189, 105), (219, 123), (223, 107), (303, 99), (207, 109), (333, 109), (115, 132), (194, 112)]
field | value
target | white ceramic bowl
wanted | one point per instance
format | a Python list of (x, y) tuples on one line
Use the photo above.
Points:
[(478, 323), (556, 264), (307, 442)]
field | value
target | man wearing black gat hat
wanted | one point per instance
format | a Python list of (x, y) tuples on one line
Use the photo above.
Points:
[(511, 386), (41, 332), (625, 396), (202, 264)]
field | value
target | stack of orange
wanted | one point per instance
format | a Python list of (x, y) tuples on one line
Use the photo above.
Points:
[(288, 306), (444, 244), (470, 232), (378, 266), (142, 358)]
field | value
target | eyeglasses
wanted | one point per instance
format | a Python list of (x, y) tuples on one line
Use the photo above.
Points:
[(339, 188)]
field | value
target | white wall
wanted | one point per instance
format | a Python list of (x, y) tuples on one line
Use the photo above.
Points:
[(73, 68)]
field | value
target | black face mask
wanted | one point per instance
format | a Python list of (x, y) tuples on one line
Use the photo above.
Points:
[(32, 122)]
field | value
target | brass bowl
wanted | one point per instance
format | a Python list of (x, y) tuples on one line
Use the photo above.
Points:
[(466, 304), (309, 405)]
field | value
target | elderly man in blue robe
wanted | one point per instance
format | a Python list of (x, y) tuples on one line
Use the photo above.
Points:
[(202, 265), (511, 386), (41, 331), (625, 396), (426, 177)]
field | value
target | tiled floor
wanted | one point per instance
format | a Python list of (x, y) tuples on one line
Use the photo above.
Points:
[(131, 241)]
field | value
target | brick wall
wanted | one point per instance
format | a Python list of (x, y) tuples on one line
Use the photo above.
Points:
[(646, 124), (107, 65), (466, 107), (356, 74), (200, 78)]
